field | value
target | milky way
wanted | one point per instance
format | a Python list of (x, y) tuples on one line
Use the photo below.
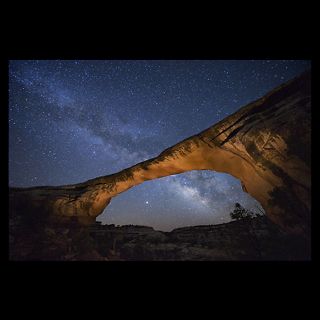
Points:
[(70, 121)]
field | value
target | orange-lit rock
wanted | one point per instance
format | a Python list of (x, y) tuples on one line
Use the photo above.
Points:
[(265, 144)]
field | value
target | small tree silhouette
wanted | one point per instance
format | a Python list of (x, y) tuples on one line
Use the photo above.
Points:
[(240, 213)]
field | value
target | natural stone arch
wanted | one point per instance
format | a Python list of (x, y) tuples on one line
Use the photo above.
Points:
[(192, 198), (266, 145)]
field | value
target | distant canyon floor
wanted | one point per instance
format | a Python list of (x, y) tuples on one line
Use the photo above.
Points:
[(243, 240)]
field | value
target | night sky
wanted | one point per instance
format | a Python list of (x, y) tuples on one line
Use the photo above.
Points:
[(70, 121)]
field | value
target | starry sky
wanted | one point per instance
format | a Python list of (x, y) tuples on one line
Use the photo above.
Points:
[(74, 120)]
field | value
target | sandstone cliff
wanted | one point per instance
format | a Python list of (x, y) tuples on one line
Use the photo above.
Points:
[(265, 144)]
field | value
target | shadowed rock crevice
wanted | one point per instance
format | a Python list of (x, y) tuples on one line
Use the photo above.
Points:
[(266, 145)]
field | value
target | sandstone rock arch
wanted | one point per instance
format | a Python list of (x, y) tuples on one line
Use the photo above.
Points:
[(266, 145)]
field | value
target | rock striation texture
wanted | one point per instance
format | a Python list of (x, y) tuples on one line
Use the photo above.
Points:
[(265, 144)]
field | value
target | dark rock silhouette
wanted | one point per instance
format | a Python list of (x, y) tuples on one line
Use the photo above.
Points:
[(265, 144), (247, 239)]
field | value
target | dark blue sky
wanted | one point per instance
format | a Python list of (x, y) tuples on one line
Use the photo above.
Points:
[(70, 121)]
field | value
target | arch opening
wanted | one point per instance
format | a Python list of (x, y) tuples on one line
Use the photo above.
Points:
[(197, 197)]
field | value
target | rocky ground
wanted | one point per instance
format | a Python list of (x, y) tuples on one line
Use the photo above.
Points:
[(252, 239), (249, 239)]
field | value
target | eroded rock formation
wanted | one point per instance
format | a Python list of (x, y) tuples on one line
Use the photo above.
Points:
[(266, 145)]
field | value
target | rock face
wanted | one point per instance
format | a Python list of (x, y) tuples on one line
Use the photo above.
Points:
[(266, 145)]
